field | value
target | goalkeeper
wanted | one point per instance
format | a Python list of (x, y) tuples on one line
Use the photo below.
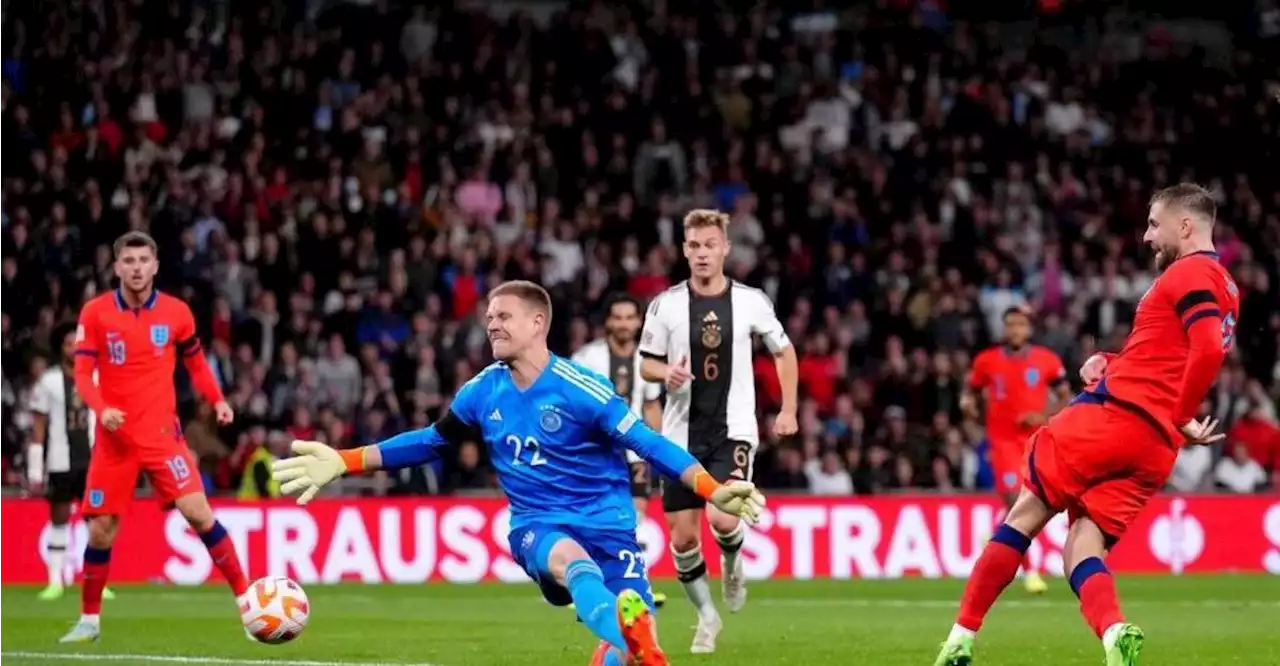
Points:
[(557, 435)]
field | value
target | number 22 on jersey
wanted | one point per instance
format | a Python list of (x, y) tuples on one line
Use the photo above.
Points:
[(525, 451)]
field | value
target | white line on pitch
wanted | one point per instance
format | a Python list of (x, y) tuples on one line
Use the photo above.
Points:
[(1011, 603), (177, 659)]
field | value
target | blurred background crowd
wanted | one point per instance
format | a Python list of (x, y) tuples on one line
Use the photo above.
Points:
[(336, 185)]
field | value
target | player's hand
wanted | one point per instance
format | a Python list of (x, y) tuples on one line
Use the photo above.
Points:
[(1092, 370), (785, 424), (1201, 432), (224, 413), (679, 374), (968, 405), (112, 419), (1031, 420), (313, 466), (741, 499)]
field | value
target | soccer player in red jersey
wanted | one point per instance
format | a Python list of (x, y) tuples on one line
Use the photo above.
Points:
[(133, 337), (1022, 384), (1103, 457)]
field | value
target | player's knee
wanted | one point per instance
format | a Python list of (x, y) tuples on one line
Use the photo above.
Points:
[(1084, 540), (723, 523), (102, 531), (564, 553), (195, 508), (60, 513), (1029, 514)]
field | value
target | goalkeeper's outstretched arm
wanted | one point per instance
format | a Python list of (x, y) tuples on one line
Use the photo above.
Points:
[(740, 499)]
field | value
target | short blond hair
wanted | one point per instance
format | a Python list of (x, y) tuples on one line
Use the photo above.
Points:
[(701, 218), (1190, 197), (529, 292)]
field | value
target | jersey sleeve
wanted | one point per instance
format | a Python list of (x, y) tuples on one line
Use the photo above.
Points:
[(622, 425), (184, 331), (87, 332), (457, 425), (652, 391), (655, 338), (980, 373), (764, 322), (1054, 370), (41, 401), (1196, 295)]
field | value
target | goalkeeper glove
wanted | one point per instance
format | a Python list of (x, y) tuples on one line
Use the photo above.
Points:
[(314, 466), (738, 498)]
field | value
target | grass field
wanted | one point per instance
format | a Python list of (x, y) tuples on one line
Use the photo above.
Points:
[(1201, 621)]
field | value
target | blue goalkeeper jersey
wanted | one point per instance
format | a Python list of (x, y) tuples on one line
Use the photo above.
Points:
[(559, 446)]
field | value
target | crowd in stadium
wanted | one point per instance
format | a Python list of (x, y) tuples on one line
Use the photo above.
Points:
[(335, 200)]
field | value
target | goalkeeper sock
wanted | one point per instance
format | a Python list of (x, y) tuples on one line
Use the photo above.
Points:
[(995, 569), (730, 546), (223, 552), (97, 561), (57, 553), (691, 569), (596, 605), (1096, 588)]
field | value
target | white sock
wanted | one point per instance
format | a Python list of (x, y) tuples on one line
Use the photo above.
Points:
[(692, 571), (57, 553), (1109, 636), (90, 619), (958, 632), (730, 547)]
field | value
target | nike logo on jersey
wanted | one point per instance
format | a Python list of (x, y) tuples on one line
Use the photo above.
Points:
[(495, 416)]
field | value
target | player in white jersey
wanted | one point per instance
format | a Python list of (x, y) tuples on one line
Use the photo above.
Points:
[(58, 454), (697, 341), (615, 356)]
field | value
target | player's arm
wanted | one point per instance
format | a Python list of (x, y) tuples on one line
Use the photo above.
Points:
[(620, 423), (974, 385), (766, 325), (1059, 386), (316, 465), (653, 406), (1201, 316), (192, 353), (655, 341), (87, 360), (40, 406)]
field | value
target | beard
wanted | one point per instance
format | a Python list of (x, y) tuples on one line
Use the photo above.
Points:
[(620, 336), (1164, 256)]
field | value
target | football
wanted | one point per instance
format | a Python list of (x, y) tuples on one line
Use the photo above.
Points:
[(274, 610)]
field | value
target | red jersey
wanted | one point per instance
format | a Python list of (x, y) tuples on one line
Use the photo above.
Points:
[(1015, 383), (1184, 326), (135, 352)]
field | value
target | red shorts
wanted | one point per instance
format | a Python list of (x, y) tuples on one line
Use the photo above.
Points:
[(1098, 461), (1006, 456), (116, 463)]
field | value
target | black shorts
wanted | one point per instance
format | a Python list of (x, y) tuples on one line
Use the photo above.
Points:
[(65, 487), (732, 460), (641, 480)]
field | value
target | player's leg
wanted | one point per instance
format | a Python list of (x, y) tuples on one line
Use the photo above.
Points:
[(625, 571), (998, 564), (113, 473), (731, 462), (176, 482), (683, 510), (641, 489), (1093, 584), (60, 495), (566, 575), (1009, 485)]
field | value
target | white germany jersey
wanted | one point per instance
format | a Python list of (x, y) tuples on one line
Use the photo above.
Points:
[(624, 372), (50, 397), (714, 334)]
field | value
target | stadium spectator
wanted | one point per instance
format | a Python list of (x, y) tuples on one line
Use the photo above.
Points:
[(336, 203)]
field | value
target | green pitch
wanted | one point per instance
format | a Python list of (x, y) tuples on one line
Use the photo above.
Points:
[(1193, 620)]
